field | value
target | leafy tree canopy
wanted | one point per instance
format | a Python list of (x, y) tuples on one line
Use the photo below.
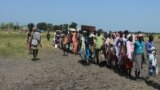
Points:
[(42, 26)]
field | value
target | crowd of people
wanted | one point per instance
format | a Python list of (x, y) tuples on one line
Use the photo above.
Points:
[(122, 50)]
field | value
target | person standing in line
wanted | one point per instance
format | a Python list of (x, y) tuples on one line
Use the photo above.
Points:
[(82, 51), (129, 58), (152, 61), (88, 49), (75, 42), (99, 42), (138, 52)]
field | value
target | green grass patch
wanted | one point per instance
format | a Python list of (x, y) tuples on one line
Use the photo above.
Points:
[(14, 44)]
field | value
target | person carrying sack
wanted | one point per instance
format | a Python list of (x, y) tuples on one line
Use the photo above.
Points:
[(35, 42)]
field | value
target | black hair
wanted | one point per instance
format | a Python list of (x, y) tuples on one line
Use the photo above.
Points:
[(120, 33), (151, 37)]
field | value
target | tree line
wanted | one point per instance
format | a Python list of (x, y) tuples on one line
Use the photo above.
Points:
[(41, 25), (46, 27)]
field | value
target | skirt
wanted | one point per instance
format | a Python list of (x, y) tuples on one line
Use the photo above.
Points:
[(34, 47), (128, 63), (138, 62)]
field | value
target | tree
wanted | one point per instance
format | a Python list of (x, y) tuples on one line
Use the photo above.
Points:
[(56, 27), (3, 26), (50, 27), (30, 26), (61, 27), (16, 26), (73, 25), (42, 26), (10, 25), (65, 26)]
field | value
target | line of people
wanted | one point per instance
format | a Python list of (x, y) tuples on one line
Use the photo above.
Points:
[(122, 50)]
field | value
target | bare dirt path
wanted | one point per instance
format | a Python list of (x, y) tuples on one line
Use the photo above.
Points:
[(56, 72)]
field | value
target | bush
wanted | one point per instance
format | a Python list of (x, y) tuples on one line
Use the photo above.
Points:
[(158, 37)]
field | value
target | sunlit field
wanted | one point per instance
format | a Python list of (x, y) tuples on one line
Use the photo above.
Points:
[(15, 43)]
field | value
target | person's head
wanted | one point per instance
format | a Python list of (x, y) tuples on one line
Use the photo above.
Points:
[(84, 33), (130, 37), (151, 37), (140, 37), (99, 32), (120, 34), (139, 32), (126, 32), (65, 33), (113, 36), (35, 29)]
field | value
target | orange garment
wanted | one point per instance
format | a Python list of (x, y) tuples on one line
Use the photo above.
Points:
[(75, 43), (66, 40)]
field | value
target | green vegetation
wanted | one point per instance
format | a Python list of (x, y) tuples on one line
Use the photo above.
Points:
[(12, 43), (15, 44)]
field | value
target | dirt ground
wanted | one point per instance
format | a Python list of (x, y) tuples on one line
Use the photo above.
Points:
[(56, 72)]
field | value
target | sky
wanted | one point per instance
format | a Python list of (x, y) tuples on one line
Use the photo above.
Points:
[(110, 15)]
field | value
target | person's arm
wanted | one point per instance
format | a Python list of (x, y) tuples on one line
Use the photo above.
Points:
[(148, 48), (144, 54), (128, 50)]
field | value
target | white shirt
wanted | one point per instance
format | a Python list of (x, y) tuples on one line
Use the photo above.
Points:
[(36, 35)]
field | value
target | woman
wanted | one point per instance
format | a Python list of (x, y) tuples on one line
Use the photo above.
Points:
[(120, 52), (82, 51), (129, 58), (138, 52), (75, 42), (109, 49)]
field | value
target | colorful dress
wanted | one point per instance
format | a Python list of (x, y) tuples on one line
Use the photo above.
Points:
[(75, 42), (138, 51), (130, 51)]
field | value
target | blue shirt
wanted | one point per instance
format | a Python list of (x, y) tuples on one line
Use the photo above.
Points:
[(149, 45), (138, 47)]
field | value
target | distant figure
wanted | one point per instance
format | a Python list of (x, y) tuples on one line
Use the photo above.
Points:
[(35, 42), (48, 36)]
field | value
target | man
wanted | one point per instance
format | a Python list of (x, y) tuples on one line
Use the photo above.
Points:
[(99, 42), (35, 42), (151, 52)]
